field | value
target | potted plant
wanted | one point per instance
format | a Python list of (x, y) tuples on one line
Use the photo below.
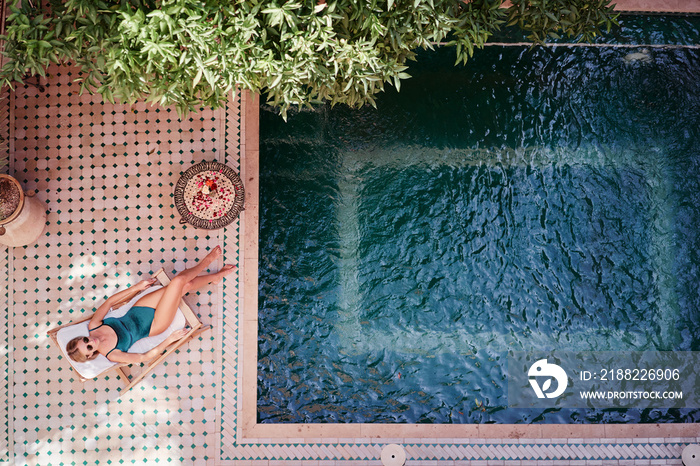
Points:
[(22, 217)]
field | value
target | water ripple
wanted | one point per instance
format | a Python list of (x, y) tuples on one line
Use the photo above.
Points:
[(542, 199)]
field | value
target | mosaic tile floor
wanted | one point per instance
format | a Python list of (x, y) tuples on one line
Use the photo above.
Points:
[(106, 174)]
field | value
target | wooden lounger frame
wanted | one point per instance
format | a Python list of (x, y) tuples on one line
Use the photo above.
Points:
[(196, 328)]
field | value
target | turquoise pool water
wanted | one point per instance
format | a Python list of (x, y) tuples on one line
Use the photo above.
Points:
[(534, 199)]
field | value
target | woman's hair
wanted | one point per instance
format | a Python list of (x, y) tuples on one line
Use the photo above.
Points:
[(75, 354)]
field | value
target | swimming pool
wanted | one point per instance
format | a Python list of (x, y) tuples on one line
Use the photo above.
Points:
[(534, 199)]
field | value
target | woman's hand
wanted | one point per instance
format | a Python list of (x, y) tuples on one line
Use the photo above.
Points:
[(177, 335), (143, 284)]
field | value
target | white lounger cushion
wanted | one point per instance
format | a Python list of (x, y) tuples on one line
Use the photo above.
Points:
[(91, 369)]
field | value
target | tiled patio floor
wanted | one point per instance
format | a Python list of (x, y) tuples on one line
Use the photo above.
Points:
[(107, 174)]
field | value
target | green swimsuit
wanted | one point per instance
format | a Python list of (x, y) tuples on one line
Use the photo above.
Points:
[(131, 327)]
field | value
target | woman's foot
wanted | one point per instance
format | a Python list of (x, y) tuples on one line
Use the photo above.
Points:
[(213, 255), (225, 270), (188, 275)]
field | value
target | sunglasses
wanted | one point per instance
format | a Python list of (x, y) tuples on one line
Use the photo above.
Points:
[(88, 347)]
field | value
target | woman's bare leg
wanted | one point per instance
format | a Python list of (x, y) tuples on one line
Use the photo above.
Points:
[(167, 300), (152, 299), (204, 280)]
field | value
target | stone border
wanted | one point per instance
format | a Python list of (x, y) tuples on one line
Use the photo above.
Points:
[(656, 6), (652, 6)]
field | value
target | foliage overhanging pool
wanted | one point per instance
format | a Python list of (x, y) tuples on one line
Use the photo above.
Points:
[(534, 199)]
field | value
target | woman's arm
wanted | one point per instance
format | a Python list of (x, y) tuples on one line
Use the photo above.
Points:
[(117, 298), (133, 358)]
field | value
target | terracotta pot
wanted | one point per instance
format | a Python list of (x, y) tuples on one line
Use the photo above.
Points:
[(26, 223)]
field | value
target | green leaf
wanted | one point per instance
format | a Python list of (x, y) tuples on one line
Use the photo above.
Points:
[(276, 81), (197, 78)]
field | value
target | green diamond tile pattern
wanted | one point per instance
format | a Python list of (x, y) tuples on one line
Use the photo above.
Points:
[(597, 452), (232, 129), (4, 356), (229, 321), (230, 336), (106, 173), (5, 292)]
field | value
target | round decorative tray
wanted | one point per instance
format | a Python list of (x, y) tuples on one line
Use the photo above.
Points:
[(209, 195)]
